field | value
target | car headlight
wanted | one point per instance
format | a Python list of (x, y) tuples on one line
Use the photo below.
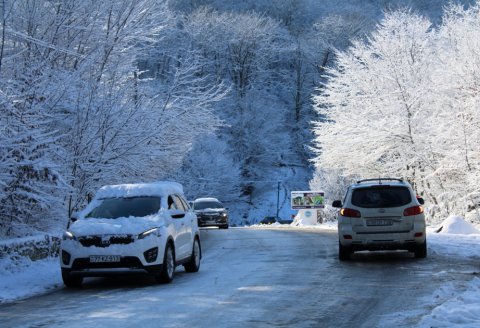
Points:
[(67, 235), (224, 215), (149, 233)]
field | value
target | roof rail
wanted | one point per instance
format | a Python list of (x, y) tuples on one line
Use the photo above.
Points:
[(380, 180)]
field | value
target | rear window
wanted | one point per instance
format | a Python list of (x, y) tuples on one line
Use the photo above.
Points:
[(381, 196), (112, 208)]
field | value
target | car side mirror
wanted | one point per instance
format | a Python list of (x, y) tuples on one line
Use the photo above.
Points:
[(420, 200), (177, 214), (337, 204)]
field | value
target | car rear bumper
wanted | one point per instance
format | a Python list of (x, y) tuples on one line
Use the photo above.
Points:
[(409, 245), (401, 239)]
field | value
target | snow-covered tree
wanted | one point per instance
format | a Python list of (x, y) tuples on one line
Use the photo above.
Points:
[(76, 111), (376, 97), (208, 171), (405, 103)]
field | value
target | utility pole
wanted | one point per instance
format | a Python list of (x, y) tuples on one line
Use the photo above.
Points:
[(278, 198)]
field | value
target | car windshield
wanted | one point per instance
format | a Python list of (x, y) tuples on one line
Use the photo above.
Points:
[(381, 196), (112, 208), (206, 204)]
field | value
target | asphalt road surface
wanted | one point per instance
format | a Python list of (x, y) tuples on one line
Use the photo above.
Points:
[(255, 278)]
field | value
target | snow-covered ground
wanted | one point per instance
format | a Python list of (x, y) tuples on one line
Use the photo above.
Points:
[(24, 278), (451, 306)]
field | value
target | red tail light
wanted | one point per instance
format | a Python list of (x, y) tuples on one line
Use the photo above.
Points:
[(348, 212), (415, 210)]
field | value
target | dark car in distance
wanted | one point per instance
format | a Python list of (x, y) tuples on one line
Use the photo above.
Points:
[(269, 220), (211, 213), (273, 219)]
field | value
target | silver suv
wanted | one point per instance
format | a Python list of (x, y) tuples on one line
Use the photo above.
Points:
[(381, 214)]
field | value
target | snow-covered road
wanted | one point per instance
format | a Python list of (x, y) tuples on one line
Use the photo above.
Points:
[(259, 278)]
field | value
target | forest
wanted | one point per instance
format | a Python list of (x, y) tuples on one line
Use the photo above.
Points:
[(236, 99)]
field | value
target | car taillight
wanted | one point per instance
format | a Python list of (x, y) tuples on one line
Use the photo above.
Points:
[(415, 210), (348, 212)]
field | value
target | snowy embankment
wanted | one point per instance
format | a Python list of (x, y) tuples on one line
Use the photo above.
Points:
[(454, 308), (28, 266)]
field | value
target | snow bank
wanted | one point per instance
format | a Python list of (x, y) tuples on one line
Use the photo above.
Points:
[(457, 225), (457, 310), (22, 278)]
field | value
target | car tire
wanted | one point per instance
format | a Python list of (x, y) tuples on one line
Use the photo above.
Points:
[(223, 227), (421, 250), (71, 281), (194, 264), (344, 252), (168, 267)]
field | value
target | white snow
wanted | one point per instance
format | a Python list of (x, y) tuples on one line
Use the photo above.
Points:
[(206, 199), (457, 225), (118, 226), (458, 309), (160, 188), (23, 278)]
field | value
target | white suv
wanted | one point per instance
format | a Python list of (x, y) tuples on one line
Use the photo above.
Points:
[(129, 228), (381, 214)]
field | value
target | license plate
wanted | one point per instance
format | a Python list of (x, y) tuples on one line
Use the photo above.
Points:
[(379, 222), (104, 258)]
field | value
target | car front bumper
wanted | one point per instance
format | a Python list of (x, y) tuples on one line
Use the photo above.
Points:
[(76, 258), (212, 221), (128, 265)]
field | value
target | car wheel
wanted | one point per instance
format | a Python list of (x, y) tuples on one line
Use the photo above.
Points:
[(223, 227), (71, 281), (421, 250), (344, 252), (194, 264), (168, 267)]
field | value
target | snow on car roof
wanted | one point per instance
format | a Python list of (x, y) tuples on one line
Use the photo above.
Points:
[(159, 188), (206, 199), (376, 182)]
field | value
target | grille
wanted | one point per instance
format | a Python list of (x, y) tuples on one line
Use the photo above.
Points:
[(106, 241), (210, 216)]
